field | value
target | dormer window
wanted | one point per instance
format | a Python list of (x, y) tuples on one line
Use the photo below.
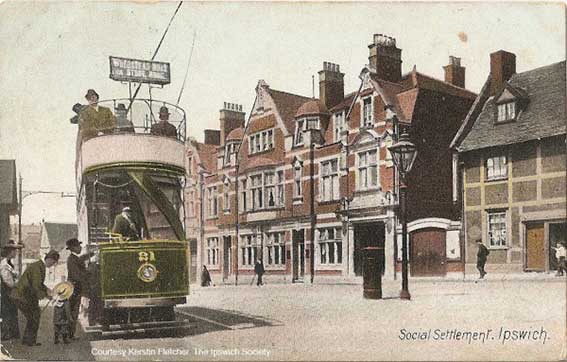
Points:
[(261, 141), (367, 118), (302, 125), (506, 111), (229, 150)]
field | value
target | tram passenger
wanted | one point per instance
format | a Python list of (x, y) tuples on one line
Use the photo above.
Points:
[(94, 119), (163, 127), (124, 225), (96, 306), (123, 123), (77, 275)]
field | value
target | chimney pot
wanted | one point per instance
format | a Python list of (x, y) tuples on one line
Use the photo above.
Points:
[(454, 73), (385, 58)]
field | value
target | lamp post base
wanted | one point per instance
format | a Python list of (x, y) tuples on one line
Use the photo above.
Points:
[(404, 294)]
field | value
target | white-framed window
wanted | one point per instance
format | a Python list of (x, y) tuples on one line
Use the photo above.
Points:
[(261, 141), (367, 116), (280, 189), (249, 249), (229, 150), (266, 190), (302, 125), (506, 111), (497, 228), (297, 183), (212, 201), (367, 170), (330, 246), (339, 124), (275, 249), (213, 251), (496, 168), (329, 180)]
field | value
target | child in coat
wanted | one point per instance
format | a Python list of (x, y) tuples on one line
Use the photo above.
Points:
[(62, 318)]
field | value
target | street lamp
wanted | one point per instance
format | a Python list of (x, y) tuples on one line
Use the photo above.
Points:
[(404, 154)]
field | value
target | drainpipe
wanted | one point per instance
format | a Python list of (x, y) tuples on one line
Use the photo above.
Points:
[(201, 217), (313, 216)]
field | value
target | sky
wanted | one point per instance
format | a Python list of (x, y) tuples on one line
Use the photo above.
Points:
[(52, 52)]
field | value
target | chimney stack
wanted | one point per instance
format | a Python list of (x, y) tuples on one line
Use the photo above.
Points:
[(212, 137), (386, 58), (454, 73), (331, 84), (231, 117), (502, 67)]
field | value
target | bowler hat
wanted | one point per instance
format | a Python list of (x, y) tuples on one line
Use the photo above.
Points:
[(91, 92), (164, 110), (52, 254), (120, 107), (78, 107), (72, 242)]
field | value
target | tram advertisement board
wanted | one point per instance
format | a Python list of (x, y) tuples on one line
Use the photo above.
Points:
[(140, 71)]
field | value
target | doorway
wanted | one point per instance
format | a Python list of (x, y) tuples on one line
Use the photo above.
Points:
[(298, 251), (368, 234), (193, 265), (557, 233), (428, 253), (535, 247)]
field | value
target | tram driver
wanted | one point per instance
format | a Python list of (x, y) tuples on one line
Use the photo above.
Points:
[(95, 120), (124, 225)]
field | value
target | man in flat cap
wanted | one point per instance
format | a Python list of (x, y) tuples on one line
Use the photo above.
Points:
[(78, 276), (94, 119), (163, 127), (124, 225), (28, 292)]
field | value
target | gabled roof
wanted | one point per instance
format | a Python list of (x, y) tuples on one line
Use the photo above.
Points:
[(542, 116), (8, 189), (59, 233), (287, 105)]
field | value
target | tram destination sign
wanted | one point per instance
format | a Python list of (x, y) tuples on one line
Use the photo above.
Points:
[(139, 71)]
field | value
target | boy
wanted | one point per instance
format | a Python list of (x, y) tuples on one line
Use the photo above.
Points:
[(62, 316), (560, 253)]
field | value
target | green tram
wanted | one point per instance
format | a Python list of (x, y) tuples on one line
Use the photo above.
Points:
[(141, 267)]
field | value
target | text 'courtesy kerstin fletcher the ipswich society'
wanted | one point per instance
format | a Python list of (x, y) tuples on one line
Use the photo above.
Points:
[(500, 335)]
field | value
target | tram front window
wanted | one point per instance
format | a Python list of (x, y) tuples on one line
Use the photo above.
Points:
[(134, 205)]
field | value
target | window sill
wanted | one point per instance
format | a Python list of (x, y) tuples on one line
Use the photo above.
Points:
[(503, 178), (328, 202), (278, 208), (260, 152), (498, 248), (297, 200), (368, 191), (212, 217)]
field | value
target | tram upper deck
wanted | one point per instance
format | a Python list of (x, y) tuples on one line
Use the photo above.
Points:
[(129, 134)]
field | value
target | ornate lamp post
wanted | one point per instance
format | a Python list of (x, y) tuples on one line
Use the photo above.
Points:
[(404, 154)]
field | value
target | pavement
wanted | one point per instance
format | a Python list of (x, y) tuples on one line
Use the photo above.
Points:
[(491, 319)]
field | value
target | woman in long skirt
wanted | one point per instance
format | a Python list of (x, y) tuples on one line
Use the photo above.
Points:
[(8, 310)]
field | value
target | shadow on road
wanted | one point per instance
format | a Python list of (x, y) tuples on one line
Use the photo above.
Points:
[(206, 320)]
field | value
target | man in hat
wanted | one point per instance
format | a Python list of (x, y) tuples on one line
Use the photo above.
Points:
[(78, 276), (481, 256), (124, 225), (94, 119), (28, 292), (163, 127), (8, 310), (123, 123)]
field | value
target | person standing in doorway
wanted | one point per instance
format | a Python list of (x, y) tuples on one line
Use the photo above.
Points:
[(9, 311), (560, 254), (259, 270), (481, 257)]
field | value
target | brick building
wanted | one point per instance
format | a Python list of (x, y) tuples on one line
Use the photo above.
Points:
[(304, 169), (511, 155)]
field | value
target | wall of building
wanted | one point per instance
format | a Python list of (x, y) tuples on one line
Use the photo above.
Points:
[(534, 190)]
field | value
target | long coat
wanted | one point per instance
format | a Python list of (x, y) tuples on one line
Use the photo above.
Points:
[(163, 128), (77, 273), (91, 122), (30, 287), (123, 227)]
